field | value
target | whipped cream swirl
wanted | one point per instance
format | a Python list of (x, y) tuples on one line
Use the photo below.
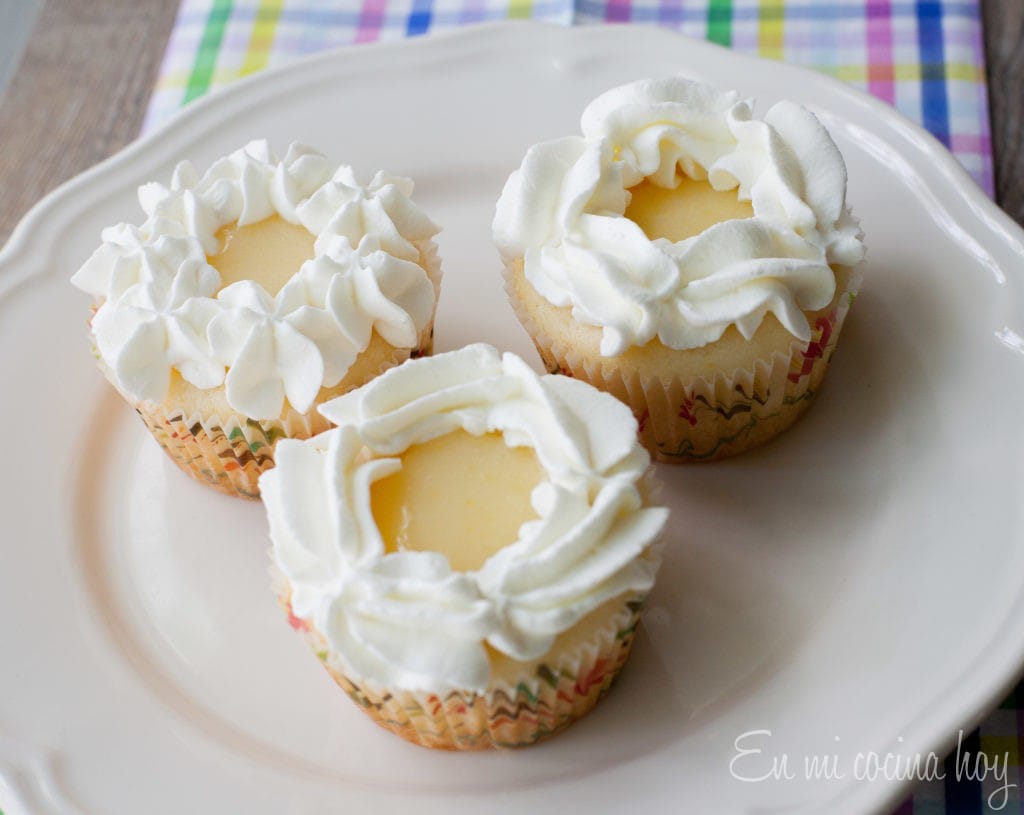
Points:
[(563, 213), (162, 307), (406, 619)]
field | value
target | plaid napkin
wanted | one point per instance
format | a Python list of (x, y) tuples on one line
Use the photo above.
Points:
[(925, 57)]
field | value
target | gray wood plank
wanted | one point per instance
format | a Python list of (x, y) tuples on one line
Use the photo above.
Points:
[(17, 19), (79, 94), (1004, 55)]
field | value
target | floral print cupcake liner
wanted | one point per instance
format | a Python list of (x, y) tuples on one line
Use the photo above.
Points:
[(537, 705), (702, 419), (230, 454)]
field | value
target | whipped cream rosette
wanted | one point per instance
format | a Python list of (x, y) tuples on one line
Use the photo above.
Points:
[(253, 292), (692, 259), (525, 638)]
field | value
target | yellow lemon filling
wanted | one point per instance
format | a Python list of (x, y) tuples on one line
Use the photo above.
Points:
[(268, 252), (686, 211), (461, 495)]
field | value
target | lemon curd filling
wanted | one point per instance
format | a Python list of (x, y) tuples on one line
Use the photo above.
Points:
[(268, 252), (461, 495), (686, 211)]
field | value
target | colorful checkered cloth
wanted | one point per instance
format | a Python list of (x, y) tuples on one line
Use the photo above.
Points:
[(925, 57)]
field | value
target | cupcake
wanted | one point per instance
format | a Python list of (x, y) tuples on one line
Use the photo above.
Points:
[(689, 258), (253, 293), (468, 550)]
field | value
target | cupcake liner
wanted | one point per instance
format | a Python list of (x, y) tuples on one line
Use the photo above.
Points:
[(513, 713), (231, 453), (696, 419), (228, 455)]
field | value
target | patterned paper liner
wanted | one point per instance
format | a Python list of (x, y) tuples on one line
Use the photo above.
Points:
[(230, 454), (698, 419), (534, 707)]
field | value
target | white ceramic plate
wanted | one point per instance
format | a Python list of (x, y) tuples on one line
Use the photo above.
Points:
[(857, 586)]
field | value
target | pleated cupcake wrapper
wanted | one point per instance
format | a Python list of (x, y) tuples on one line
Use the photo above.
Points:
[(698, 419), (231, 453), (514, 713)]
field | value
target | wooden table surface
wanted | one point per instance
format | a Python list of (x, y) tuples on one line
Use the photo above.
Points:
[(93, 102)]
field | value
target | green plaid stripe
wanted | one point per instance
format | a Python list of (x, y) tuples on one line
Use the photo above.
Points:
[(209, 47)]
